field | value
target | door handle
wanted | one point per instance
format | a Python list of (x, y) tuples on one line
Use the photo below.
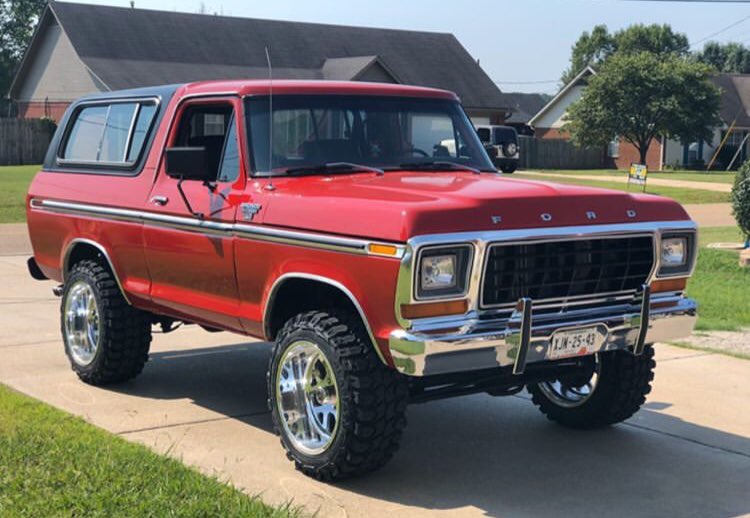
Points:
[(160, 200)]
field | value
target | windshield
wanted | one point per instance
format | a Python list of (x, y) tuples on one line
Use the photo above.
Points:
[(387, 133)]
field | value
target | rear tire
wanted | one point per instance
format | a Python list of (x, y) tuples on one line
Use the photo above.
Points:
[(325, 361), (622, 383), (106, 339), (508, 169)]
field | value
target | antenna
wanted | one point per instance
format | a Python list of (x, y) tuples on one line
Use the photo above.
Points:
[(270, 186)]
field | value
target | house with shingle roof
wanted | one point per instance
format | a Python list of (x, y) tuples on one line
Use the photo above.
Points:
[(731, 139), (523, 107), (79, 49)]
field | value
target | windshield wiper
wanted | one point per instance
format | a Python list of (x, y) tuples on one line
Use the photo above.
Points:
[(438, 166), (333, 168)]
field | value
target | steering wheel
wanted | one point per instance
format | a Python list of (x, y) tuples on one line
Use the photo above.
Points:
[(417, 151)]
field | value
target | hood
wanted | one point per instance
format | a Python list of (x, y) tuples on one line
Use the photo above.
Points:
[(399, 205)]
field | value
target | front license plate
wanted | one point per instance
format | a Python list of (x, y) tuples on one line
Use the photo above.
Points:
[(576, 342)]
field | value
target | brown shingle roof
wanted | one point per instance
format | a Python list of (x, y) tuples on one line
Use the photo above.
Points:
[(129, 48)]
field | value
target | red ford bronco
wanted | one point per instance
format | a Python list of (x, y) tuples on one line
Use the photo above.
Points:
[(364, 230)]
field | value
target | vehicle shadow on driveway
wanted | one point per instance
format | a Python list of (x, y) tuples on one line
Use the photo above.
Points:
[(497, 456)]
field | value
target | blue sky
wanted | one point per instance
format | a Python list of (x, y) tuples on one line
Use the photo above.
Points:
[(516, 41)]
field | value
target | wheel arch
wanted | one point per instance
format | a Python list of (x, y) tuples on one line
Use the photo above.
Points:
[(283, 302), (81, 248)]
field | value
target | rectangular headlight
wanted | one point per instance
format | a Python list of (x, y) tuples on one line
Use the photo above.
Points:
[(443, 272), (674, 251), (676, 254)]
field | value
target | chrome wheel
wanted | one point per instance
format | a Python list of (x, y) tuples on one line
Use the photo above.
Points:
[(570, 395), (307, 398), (81, 323)]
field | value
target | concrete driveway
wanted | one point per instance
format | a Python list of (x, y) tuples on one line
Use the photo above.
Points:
[(202, 399)]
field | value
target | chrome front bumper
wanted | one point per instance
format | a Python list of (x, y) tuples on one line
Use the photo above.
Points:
[(523, 339)]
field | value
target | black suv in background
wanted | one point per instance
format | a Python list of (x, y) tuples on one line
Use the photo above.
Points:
[(501, 143)]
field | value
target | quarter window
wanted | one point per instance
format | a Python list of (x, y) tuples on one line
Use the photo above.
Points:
[(112, 134)]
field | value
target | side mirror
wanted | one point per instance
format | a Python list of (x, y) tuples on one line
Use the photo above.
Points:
[(188, 163)]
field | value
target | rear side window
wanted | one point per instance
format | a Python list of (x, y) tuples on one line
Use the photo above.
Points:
[(109, 134), (484, 134)]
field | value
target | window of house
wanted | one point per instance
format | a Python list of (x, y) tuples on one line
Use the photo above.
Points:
[(110, 134), (214, 124), (735, 138), (613, 148)]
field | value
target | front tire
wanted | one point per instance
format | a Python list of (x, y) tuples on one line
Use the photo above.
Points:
[(338, 410), (611, 391), (106, 339)]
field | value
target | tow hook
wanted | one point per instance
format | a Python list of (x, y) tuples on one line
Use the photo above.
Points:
[(58, 290)]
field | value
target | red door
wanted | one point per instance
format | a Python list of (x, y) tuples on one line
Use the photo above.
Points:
[(190, 247)]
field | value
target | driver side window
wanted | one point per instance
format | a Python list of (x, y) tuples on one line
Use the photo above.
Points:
[(212, 127)]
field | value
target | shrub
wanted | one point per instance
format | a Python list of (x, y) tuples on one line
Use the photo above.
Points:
[(741, 198)]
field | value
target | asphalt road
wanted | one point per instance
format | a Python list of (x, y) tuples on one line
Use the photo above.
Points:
[(202, 399)]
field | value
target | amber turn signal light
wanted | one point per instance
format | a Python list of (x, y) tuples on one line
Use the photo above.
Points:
[(434, 309), (379, 249), (660, 286)]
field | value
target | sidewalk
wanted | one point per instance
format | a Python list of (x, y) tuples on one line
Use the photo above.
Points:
[(711, 214), (14, 239), (663, 182)]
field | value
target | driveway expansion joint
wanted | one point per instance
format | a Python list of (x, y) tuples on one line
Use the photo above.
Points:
[(197, 421), (688, 439)]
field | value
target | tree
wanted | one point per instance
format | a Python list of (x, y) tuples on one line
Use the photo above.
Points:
[(640, 96), (741, 198), (590, 49), (17, 21), (733, 58), (595, 48)]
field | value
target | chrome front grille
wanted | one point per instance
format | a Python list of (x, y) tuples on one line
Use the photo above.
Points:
[(565, 270)]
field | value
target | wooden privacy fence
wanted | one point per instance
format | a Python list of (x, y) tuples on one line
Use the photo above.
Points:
[(24, 141), (558, 154)]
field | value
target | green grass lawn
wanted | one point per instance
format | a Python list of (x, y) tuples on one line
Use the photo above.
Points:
[(680, 194), (54, 464), (720, 286), (14, 182), (693, 176)]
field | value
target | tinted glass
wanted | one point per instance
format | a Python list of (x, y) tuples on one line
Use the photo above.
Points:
[(116, 132), (86, 135), (110, 134), (142, 125), (503, 135), (484, 134), (384, 132), (230, 163)]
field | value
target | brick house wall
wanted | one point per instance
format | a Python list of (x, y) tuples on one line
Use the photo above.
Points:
[(550, 133), (628, 153), (37, 110)]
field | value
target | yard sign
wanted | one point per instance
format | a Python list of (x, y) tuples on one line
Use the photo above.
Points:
[(637, 175)]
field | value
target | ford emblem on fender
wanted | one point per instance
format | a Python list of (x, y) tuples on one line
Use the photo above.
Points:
[(249, 210)]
